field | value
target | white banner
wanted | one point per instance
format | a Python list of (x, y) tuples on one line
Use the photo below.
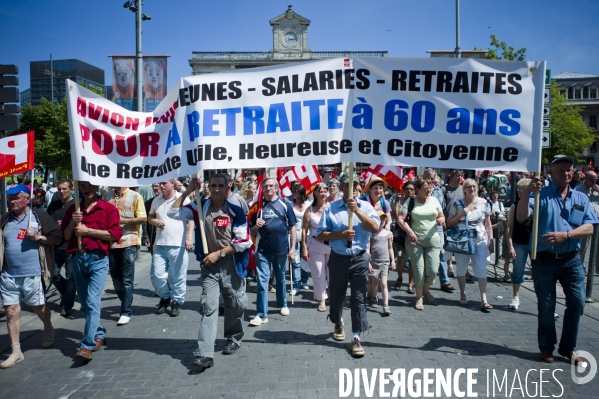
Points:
[(444, 113)]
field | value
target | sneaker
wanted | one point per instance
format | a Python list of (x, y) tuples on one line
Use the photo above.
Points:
[(203, 361), (356, 348), (271, 289), (374, 301), (555, 316), (285, 311), (123, 320), (386, 310), (514, 303), (48, 337), (163, 305), (338, 333), (230, 348), (305, 286), (450, 272), (256, 321), (506, 279), (294, 292), (13, 359), (175, 311)]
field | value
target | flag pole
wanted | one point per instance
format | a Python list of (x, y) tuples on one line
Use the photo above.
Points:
[(535, 226), (77, 209), (31, 196), (201, 219), (350, 214)]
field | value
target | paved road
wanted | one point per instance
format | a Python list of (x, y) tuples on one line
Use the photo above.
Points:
[(294, 356)]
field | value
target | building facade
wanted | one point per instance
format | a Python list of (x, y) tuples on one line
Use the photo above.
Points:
[(76, 70), (583, 89)]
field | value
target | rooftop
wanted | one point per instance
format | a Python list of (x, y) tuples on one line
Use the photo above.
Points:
[(575, 75)]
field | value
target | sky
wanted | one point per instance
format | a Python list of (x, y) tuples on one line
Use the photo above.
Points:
[(564, 33)]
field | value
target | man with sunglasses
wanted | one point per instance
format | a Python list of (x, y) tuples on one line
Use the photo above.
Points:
[(224, 267), (173, 239), (590, 188)]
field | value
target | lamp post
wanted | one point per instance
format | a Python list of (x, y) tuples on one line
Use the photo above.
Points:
[(135, 6), (458, 51)]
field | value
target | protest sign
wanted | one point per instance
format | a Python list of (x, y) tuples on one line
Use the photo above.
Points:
[(437, 112), (16, 153)]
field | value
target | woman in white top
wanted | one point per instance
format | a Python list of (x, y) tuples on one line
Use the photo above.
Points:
[(300, 203), (316, 252), (473, 213)]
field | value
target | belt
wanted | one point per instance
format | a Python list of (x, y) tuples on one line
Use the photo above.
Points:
[(550, 255), (349, 256)]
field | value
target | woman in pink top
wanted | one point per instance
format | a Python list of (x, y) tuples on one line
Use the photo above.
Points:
[(316, 252)]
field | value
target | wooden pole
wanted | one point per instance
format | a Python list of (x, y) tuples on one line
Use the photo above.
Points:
[(77, 209), (350, 214), (535, 225), (201, 220)]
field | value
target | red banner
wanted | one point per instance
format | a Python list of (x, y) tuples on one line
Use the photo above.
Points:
[(16, 154), (308, 176), (391, 174), (256, 203)]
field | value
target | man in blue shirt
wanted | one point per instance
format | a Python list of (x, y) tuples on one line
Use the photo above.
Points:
[(348, 261), (566, 217), (275, 244)]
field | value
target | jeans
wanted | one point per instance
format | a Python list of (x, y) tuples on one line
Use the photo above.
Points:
[(263, 263), (90, 271), (122, 272), (64, 285), (570, 273), (443, 278), (300, 276), (219, 278), (522, 252), (174, 259)]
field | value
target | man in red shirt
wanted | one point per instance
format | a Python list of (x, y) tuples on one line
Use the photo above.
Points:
[(99, 225)]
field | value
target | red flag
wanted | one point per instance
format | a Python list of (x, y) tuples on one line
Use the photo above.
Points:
[(411, 175), (256, 204), (334, 175), (390, 174), (592, 164), (308, 176), (16, 153)]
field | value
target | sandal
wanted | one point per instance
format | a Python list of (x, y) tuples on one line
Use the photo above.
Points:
[(411, 290), (322, 308), (463, 301), (484, 307), (419, 305), (429, 298)]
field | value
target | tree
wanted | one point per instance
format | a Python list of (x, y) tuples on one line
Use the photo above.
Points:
[(569, 133), (501, 51), (52, 142)]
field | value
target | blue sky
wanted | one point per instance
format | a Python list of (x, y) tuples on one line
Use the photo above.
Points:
[(564, 33)]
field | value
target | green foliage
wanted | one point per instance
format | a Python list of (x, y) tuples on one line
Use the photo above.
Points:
[(569, 133), (52, 142), (96, 90), (501, 51)]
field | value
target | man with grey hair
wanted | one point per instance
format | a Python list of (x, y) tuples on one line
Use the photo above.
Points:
[(27, 264), (590, 188)]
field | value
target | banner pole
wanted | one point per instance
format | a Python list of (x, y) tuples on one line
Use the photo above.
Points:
[(77, 208), (31, 196), (535, 226), (350, 214), (201, 219)]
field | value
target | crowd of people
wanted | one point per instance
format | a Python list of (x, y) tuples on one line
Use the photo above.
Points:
[(413, 226)]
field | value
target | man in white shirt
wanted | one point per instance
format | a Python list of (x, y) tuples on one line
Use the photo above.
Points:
[(173, 239), (50, 193)]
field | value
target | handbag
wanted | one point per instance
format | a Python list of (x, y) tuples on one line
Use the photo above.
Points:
[(400, 235), (459, 241)]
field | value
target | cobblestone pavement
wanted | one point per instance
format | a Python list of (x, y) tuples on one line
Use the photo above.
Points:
[(294, 356)]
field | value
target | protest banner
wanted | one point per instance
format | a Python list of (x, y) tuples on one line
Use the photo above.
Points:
[(17, 153), (423, 112), (308, 176)]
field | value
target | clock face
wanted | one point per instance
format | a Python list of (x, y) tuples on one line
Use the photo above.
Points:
[(290, 39)]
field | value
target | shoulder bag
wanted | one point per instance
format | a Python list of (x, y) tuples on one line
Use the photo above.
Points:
[(459, 241), (400, 234)]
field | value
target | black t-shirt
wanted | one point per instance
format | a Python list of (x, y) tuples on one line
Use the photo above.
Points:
[(57, 209), (521, 231)]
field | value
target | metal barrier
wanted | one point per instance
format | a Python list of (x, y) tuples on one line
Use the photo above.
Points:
[(591, 266)]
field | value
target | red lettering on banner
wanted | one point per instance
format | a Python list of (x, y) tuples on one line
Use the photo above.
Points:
[(81, 106), (117, 119), (105, 115), (132, 123), (126, 146), (94, 112), (84, 134), (101, 142), (148, 121), (148, 144)]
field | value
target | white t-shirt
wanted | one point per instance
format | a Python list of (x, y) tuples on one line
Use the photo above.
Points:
[(175, 231)]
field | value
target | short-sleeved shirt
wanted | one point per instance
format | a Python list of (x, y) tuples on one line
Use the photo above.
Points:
[(452, 194), (174, 231), (556, 216), (475, 220), (273, 237), (21, 253), (102, 216), (218, 227), (236, 199), (130, 205), (57, 210), (335, 218), (424, 216)]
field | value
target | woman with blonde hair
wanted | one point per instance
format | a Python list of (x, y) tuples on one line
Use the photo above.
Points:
[(313, 251), (248, 190), (473, 213)]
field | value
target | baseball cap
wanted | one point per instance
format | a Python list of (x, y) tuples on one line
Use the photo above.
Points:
[(344, 178), (562, 158), (18, 189), (328, 170)]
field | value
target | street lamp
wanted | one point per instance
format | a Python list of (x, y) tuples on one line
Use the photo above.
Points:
[(135, 6), (458, 51)]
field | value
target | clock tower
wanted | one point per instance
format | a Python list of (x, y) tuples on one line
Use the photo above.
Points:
[(290, 36)]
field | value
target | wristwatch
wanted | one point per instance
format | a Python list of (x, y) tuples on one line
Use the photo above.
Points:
[(40, 238), (569, 235), (222, 253)]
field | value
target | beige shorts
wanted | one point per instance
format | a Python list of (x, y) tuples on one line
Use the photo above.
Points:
[(379, 269)]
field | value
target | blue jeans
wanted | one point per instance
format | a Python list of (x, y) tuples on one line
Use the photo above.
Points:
[(570, 273), (90, 271), (122, 271), (300, 276), (64, 285), (174, 259), (263, 263), (519, 264), (443, 278)]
